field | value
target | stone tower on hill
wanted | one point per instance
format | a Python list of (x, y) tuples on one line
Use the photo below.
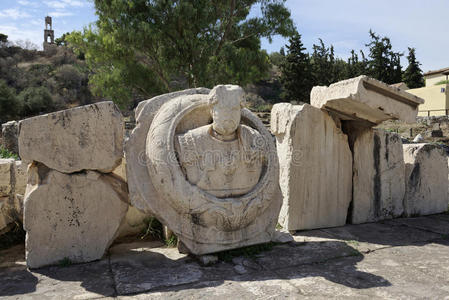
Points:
[(49, 34)]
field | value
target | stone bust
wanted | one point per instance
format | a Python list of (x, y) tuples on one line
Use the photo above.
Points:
[(225, 158)]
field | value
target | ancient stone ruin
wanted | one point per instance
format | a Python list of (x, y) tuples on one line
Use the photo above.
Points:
[(209, 170), (214, 185)]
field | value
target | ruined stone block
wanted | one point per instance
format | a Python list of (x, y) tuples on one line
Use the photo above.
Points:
[(366, 99), (74, 217), (315, 167), (426, 173), (89, 137), (6, 173), (378, 182)]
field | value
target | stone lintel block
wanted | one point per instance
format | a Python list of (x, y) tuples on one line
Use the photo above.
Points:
[(366, 99)]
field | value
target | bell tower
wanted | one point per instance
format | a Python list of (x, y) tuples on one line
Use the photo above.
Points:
[(49, 34)]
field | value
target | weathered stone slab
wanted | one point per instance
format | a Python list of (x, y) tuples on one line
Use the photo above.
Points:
[(426, 173), (20, 177), (72, 217), (5, 214), (315, 167), (6, 173), (366, 99), (84, 138), (378, 177)]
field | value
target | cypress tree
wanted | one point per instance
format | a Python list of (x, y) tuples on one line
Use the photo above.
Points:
[(413, 76)]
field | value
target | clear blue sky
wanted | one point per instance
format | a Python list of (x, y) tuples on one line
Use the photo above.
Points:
[(343, 23)]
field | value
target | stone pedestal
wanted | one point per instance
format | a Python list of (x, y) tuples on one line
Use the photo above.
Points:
[(426, 173), (315, 167)]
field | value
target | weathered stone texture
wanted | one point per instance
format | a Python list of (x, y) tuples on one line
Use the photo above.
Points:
[(207, 215), (315, 167), (426, 173), (378, 182), (6, 174), (73, 217), (20, 177), (10, 136), (84, 138), (366, 99)]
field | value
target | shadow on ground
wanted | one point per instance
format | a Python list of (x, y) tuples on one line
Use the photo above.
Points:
[(330, 254)]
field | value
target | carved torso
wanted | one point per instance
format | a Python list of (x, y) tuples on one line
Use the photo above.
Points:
[(221, 168)]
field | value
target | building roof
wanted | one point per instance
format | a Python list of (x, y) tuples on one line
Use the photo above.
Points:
[(440, 71)]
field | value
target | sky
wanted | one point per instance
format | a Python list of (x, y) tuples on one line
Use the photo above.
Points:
[(345, 24)]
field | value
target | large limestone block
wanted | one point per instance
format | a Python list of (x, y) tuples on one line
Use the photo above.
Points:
[(89, 137), (73, 217), (378, 182), (6, 174), (426, 173), (315, 167), (366, 99)]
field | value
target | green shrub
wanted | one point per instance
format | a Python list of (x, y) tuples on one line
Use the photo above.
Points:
[(9, 105), (442, 82), (35, 100), (5, 153)]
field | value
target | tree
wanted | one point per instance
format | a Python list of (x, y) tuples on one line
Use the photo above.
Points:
[(326, 68), (413, 76), (61, 41), (9, 107), (3, 38), (147, 47), (35, 100), (385, 64), (356, 67), (296, 70)]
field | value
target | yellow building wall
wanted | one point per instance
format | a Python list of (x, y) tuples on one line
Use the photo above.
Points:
[(431, 80), (435, 100)]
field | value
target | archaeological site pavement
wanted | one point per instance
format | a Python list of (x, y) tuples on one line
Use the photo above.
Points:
[(402, 258)]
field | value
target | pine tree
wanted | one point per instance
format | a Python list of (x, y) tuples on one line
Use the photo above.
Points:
[(385, 64), (296, 70), (413, 76)]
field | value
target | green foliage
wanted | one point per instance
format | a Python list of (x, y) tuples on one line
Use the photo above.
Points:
[(141, 48), (413, 76), (61, 41), (35, 100), (5, 153), (3, 38), (9, 105), (385, 64), (326, 68), (276, 58), (153, 228), (296, 70), (171, 242), (442, 82), (248, 252)]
